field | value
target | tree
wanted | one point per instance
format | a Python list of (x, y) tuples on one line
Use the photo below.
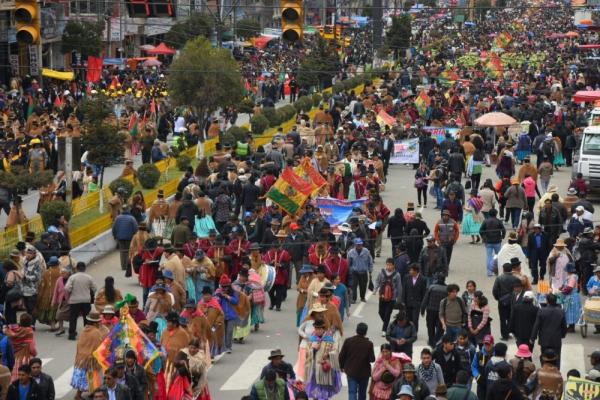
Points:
[(204, 78), (105, 145), (103, 141), (196, 25), (247, 28), (320, 66), (84, 37), (398, 36), (95, 109)]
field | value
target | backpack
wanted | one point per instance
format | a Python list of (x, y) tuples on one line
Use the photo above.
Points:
[(462, 305), (547, 148), (387, 290)]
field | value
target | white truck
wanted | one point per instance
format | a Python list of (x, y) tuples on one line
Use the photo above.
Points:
[(587, 158)]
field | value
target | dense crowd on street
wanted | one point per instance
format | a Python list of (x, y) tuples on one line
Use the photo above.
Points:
[(224, 254)]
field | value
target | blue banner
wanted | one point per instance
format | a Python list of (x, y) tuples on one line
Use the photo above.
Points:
[(337, 211)]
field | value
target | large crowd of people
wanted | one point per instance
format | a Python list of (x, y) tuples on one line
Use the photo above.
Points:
[(212, 259)]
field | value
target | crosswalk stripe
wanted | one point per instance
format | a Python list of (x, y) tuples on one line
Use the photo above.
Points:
[(62, 384), (247, 372)]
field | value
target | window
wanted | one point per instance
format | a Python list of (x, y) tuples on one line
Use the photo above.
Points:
[(89, 6), (591, 144)]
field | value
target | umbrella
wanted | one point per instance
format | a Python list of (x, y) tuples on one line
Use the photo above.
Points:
[(495, 119), (147, 47), (572, 34), (588, 46), (162, 49), (152, 62), (584, 96)]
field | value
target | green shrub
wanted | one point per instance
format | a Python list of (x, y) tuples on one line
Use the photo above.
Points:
[(316, 99), (259, 123), (148, 175), (289, 111), (228, 138), (246, 106), (54, 209), (282, 115), (238, 133), (338, 87), (183, 162), (271, 115), (123, 183), (41, 179), (305, 103), (298, 106)]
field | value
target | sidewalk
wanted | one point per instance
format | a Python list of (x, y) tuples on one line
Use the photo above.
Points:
[(30, 201)]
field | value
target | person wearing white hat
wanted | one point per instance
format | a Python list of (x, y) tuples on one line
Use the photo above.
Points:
[(579, 221)]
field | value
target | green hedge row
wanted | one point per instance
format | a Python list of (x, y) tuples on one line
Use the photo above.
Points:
[(272, 118)]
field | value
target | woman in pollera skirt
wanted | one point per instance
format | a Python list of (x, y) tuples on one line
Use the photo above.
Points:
[(473, 217)]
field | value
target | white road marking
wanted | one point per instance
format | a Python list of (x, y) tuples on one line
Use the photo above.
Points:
[(361, 305), (245, 375), (62, 384)]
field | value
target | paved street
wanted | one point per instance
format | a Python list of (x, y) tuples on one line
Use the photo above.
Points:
[(232, 376)]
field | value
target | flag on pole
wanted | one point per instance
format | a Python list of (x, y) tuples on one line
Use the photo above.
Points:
[(503, 40), (310, 175), (384, 118), (133, 125), (422, 102), (290, 191), (448, 78), (58, 102), (493, 66), (125, 335)]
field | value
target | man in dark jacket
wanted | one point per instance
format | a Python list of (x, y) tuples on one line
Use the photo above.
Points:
[(121, 392), (413, 292), (431, 303), (295, 245), (448, 359), (588, 248), (551, 221), (355, 359), (503, 292), (128, 380), (538, 248), (44, 381), (490, 376), (409, 377), (433, 259), (550, 327), (187, 208), (24, 385), (492, 232), (522, 317), (133, 368), (456, 162), (123, 229), (504, 387)]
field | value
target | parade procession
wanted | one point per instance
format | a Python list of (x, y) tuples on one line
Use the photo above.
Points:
[(307, 200)]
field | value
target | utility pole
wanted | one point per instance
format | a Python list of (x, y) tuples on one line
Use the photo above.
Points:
[(108, 32), (377, 23), (69, 167)]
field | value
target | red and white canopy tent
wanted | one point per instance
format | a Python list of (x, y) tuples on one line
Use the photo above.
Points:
[(162, 49)]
